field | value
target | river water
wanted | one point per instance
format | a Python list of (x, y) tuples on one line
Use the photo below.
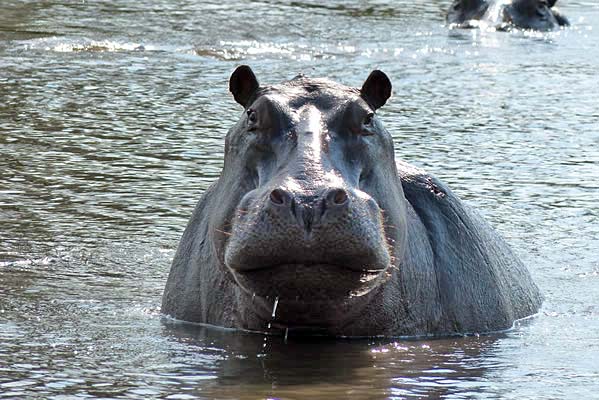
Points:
[(112, 119)]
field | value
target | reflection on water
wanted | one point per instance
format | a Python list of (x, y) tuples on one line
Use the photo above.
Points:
[(310, 368), (112, 119)]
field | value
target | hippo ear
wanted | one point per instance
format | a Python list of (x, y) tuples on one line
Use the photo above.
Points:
[(243, 84), (377, 89)]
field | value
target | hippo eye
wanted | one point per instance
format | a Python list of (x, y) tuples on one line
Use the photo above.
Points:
[(367, 125), (252, 118)]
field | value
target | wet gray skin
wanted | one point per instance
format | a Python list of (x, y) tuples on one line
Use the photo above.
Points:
[(314, 227), (521, 14), (462, 11)]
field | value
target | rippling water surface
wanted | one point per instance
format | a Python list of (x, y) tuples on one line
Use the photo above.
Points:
[(112, 119)]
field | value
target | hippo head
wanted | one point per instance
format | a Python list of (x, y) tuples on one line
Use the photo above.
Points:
[(316, 214), (531, 14)]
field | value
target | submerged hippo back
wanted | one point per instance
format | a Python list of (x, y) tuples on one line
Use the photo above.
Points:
[(312, 228)]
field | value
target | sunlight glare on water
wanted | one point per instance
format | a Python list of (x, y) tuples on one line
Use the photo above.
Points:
[(112, 124)]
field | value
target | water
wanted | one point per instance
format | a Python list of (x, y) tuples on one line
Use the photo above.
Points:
[(112, 118)]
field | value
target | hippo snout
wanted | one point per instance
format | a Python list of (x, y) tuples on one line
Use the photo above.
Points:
[(336, 228)]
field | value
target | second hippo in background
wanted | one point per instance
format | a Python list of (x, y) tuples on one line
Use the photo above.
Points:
[(539, 15)]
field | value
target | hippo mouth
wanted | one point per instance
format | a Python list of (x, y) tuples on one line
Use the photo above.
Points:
[(309, 282)]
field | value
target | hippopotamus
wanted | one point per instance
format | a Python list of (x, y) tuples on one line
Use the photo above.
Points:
[(539, 15), (314, 228)]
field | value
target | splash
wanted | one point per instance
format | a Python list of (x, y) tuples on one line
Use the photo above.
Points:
[(493, 15), (62, 45)]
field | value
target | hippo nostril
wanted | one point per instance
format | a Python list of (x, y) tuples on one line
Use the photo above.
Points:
[(278, 197), (338, 197)]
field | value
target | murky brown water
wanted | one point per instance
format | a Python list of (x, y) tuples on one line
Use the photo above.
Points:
[(112, 118)]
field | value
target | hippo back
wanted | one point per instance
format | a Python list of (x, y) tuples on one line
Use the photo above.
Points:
[(482, 285)]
